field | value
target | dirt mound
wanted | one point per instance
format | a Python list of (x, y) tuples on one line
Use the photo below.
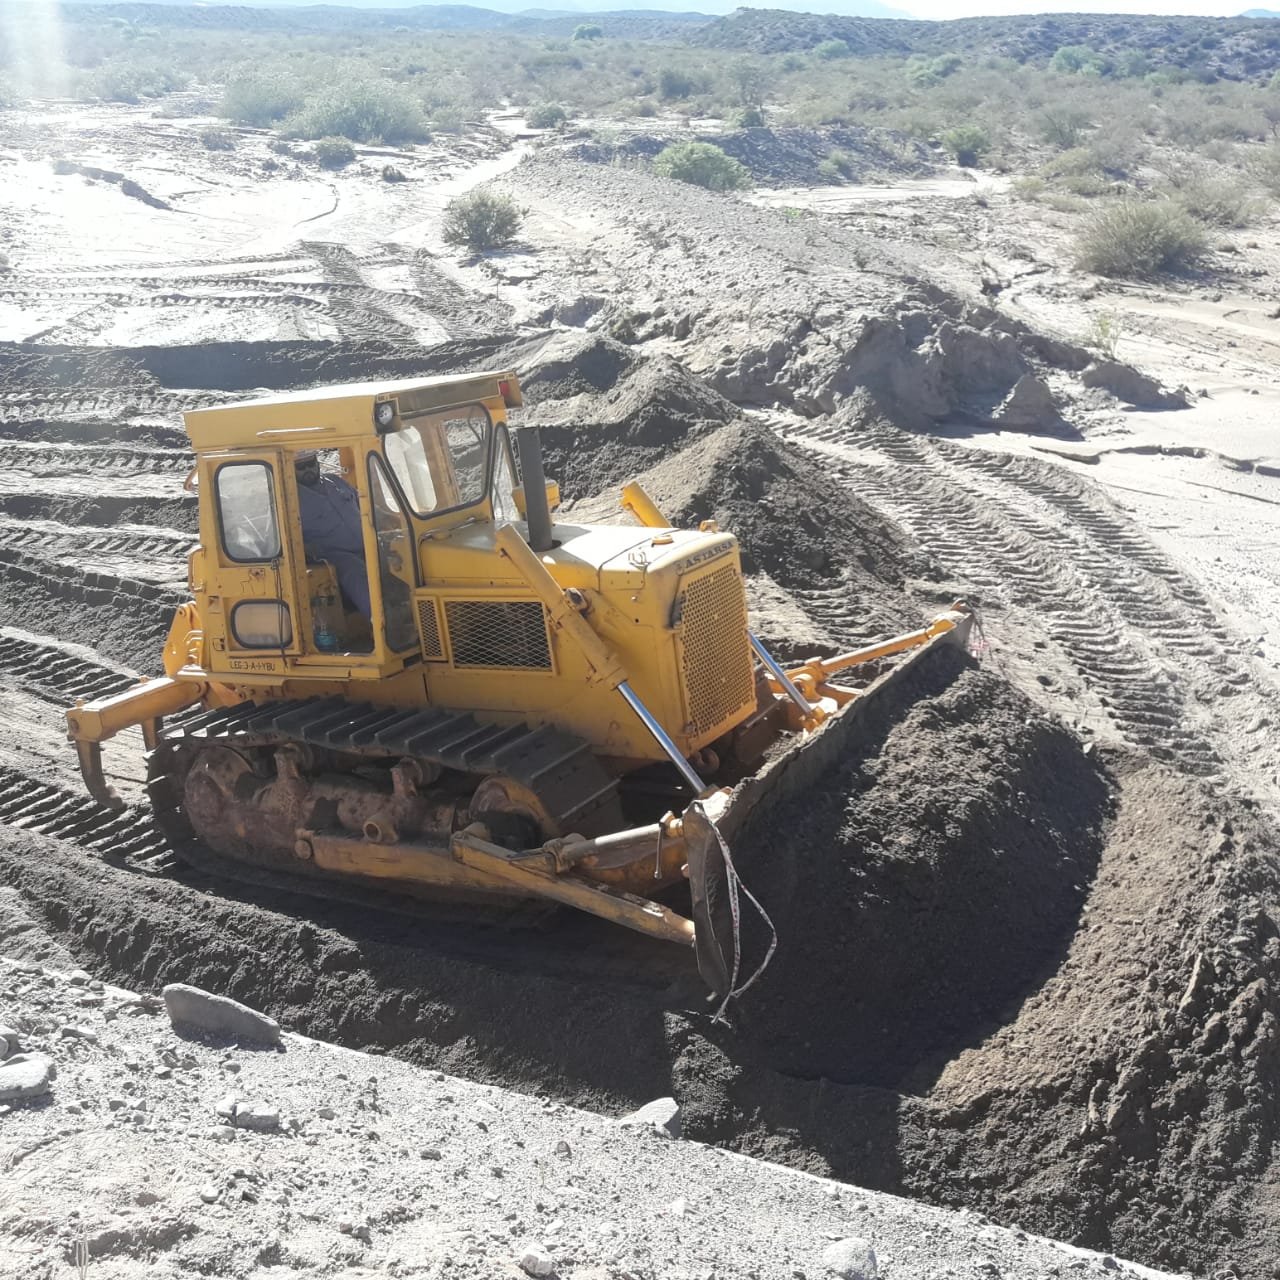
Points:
[(787, 157), (1122, 1098), (951, 852), (605, 412)]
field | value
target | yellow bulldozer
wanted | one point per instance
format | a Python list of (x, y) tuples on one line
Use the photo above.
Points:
[(398, 669)]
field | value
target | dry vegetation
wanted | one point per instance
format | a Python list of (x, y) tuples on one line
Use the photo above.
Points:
[(1143, 116)]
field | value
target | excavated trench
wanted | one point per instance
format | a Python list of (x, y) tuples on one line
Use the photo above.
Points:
[(1022, 966)]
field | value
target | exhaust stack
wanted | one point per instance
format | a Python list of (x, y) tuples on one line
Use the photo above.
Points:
[(537, 511)]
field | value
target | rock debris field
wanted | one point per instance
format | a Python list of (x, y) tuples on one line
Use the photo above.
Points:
[(1029, 962)]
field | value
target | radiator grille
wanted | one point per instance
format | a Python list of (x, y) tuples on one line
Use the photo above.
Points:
[(429, 629), (498, 633), (718, 673)]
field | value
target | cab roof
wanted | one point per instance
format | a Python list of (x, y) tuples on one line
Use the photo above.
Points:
[(309, 419)]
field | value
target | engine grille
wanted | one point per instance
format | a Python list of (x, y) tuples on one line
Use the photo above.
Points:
[(498, 633), (429, 629), (718, 673)]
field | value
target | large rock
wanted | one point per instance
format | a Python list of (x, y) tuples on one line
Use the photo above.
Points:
[(662, 1113), (1030, 406), (1134, 388), (851, 1259), (26, 1075), (10, 1041), (192, 1007)]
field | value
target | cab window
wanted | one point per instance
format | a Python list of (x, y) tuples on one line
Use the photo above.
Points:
[(247, 512), (442, 461)]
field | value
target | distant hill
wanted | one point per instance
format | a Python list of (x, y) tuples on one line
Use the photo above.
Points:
[(1245, 48), (1207, 48), (1260, 13)]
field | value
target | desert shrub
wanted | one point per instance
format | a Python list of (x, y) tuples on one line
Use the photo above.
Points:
[(333, 153), (674, 83), (260, 100), (1103, 334), (363, 110), (215, 139), (588, 31), (703, 165), (130, 82), (829, 50), (1266, 168), (546, 115), (281, 146), (481, 220), (1133, 238), (837, 167), (968, 143), (749, 118), (926, 72), (1078, 59), (391, 174), (1062, 127), (1216, 201), (1077, 171), (646, 108)]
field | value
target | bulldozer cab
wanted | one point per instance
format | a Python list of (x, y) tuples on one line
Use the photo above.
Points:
[(312, 527)]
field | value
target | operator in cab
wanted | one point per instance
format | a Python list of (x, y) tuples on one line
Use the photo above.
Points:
[(332, 529)]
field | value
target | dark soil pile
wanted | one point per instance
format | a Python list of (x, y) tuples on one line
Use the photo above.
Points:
[(1123, 1097), (605, 413), (947, 856)]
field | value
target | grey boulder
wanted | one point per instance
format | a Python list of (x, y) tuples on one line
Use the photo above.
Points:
[(26, 1075), (192, 1007)]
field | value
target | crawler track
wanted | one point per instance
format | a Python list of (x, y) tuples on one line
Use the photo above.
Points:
[(1146, 640)]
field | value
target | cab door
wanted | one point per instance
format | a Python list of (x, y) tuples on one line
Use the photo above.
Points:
[(251, 607)]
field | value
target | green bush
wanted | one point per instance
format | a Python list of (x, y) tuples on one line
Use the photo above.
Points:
[(1078, 59), (749, 118), (365, 111), (214, 139), (924, 73), (968, 143), (703, 165), (588, 31), (1134, 238), (260, 100), (837, 167), (829, 50), (546, 115), (482, 220), (333, 153)]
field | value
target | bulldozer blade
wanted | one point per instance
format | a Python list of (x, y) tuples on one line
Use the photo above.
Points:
[(803, 765)]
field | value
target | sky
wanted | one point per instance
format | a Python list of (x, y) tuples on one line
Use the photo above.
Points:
[(973, 8)]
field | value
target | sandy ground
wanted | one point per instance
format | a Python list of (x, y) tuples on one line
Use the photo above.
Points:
[(823, 371)]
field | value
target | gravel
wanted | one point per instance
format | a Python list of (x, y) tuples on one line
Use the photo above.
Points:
[(510, 1185)]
